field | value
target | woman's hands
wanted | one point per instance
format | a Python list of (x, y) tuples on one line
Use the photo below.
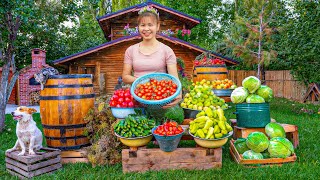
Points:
[(177, 100)]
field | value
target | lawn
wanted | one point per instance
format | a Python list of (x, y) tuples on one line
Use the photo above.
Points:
[(284, 111)]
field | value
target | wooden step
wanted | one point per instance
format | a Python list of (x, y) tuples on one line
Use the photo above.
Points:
[(196, 158), (74, 156)]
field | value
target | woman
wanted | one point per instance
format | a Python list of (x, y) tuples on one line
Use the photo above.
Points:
[(150, 55)]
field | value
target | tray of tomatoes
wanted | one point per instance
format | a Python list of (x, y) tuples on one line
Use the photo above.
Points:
[(155, 89)]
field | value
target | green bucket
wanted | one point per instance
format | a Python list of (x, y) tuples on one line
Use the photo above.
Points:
[(255, 115)]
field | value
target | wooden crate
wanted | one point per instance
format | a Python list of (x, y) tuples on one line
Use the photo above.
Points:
[(258, 162), (74, 156), (291, 132), (155, 159), (47, 160)]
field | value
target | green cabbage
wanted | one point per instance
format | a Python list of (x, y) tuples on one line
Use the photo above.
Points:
[(257, 141), (265, 154), (265, 92), (239, 95), (274, 130), (253, 98), (240, 145), (252, 155), (280, 147), (251, 83)]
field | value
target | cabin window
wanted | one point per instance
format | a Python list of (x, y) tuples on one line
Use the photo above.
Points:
[(88, 70)]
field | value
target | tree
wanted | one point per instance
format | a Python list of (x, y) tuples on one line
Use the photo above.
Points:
[(300, 41), (25, 25), (251, 35), (10, 23)]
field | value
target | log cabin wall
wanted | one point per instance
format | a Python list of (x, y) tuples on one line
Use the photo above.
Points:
[(119, 23), (108, 64)]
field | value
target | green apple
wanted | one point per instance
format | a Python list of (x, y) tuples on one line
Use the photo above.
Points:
[(199, 104), (184, 105), (194, 101), (201, 100), (190, 106), (200, 108), (194, 106), (207, 103), (187, 95)]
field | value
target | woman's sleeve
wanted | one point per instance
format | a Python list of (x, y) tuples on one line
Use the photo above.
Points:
[(128, 56), (170, 56)]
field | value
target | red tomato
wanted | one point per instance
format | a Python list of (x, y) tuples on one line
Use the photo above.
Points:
[(112, 104), (115, 97), (120, 100), (130, 104)]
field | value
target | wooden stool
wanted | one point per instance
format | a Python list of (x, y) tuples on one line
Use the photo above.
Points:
[(291, 132), (47, 160)]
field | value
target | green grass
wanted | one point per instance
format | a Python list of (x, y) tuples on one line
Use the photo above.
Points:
[(284, 111)]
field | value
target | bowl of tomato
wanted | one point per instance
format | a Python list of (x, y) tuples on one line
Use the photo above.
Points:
[(155, 90), (168, 135)]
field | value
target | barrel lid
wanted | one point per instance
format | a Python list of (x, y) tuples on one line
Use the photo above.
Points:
[(70, 76), (222, 92), (215, 65)]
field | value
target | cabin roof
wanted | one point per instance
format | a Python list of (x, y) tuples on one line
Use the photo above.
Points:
[(105, 21), (129, 38)]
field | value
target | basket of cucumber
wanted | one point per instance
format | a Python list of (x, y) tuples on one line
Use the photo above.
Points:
[(134, 131)]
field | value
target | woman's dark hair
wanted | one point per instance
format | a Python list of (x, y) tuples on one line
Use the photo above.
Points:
[(148, 14)]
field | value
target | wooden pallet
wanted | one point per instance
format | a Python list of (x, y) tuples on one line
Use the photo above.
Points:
[(254, 163), (74, 156), (155, 159), (47, 160), (291, 132)]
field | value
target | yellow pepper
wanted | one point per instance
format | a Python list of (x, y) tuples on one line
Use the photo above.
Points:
[(222, 125), (209, 112), (194, 128), (219, 135), (224, 132), (220, 114), (208, 124), (200, 133), (201, 119), (202, 113), (201, 125), (216, 129), (210, 133), (229, 128)]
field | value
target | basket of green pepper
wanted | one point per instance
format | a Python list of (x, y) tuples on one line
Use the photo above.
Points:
[(134, 131)]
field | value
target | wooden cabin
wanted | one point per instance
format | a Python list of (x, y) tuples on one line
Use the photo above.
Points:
[(105, 61)]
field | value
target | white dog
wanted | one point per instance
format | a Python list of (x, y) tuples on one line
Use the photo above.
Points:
[(29, 135)]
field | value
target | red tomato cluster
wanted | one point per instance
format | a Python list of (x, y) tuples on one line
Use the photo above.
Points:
[(122, 98), (156, 90), (208, 61), (168, 129)]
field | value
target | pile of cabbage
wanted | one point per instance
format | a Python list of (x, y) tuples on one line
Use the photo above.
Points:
[(252, 92), (258, 145)]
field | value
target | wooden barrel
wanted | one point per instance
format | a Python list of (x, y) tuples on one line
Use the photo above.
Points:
[(211, 73), (64, 102)]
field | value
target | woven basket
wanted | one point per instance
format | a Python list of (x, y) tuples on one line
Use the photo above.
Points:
[(155, 104)]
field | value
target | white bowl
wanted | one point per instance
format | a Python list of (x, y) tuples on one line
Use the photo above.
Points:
[(121, 113)]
